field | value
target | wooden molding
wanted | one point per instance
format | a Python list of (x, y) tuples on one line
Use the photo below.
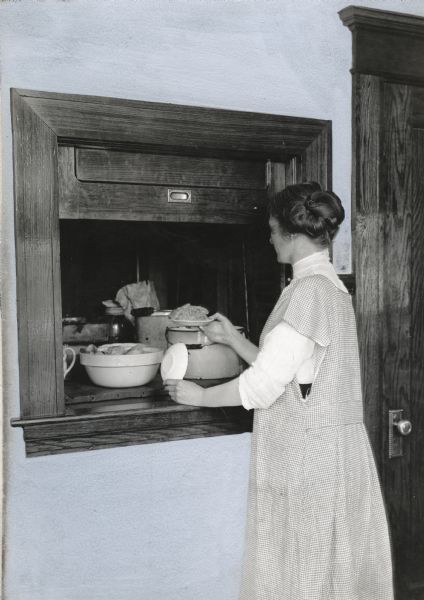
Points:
[(37, 263), (124, 428), (43, 123), (355, 17), (316, 163), (386, 44), (191, 130)]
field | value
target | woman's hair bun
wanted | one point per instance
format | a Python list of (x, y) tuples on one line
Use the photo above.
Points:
[(311, 200), (306, 208)]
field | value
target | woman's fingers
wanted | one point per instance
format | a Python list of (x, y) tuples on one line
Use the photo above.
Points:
[(184, 392), (214, 331), (219, 329), (218, 317), (171, 387)]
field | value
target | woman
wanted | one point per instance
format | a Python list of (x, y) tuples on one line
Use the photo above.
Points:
[(316, 526)]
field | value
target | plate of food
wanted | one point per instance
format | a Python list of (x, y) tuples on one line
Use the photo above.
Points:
[(190, 315), (198, 323)]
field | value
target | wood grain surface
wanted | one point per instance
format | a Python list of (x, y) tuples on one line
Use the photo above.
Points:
[(47, 128), (83, 392), (383, 188), (122, 428), (366, 244), (416, 408), (193, 128), (316, 161), (395, 303), (388, 84), (118, 201), (386, 44), (37, 257), (168, 170)]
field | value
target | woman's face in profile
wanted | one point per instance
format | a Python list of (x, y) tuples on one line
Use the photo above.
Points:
[(281, 241)]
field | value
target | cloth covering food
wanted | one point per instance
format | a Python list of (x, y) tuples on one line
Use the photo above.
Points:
[(137, 295)]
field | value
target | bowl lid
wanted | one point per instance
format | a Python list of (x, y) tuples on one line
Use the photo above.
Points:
[(175, 361)]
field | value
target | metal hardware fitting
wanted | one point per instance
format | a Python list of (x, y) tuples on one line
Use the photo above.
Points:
[(183, 196), (398, 429)]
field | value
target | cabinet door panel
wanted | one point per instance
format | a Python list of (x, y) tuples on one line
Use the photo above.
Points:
[(126, 201), (161, 169)]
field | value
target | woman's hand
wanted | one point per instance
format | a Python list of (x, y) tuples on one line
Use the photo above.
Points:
[(221, 330), (184, 392)]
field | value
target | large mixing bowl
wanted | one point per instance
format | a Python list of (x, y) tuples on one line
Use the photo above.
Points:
[(122, 370)]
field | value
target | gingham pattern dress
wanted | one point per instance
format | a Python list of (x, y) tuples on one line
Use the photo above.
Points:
[(317, 526)]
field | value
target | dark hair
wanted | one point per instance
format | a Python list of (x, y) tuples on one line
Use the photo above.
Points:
[(306, 208)]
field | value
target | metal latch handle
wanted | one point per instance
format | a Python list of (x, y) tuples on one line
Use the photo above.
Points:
[(398, 429), (404, 427)]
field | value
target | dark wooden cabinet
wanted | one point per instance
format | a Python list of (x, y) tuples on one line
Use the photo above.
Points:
[(86, 164), (388, 228)]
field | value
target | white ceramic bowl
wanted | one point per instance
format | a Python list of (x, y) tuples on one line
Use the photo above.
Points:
[(215, 361), (122, 370)]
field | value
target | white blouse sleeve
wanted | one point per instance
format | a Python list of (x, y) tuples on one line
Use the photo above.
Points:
[(283, 352)]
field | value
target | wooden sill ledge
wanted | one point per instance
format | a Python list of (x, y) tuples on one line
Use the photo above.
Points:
[(127, 421)]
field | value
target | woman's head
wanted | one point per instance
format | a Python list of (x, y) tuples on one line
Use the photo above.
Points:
[(304, 210)]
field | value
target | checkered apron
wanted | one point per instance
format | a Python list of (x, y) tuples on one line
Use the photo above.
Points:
[(316, 527)]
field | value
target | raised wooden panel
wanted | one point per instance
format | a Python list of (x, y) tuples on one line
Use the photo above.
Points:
[(416, 415), (389, 54), (382, 242), (417, 120), (395, 209), (395, 318), (366, 244), (99, 200), (159, 169), (37, 264)]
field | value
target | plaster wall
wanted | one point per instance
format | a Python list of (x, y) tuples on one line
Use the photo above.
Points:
[(162, 521)]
